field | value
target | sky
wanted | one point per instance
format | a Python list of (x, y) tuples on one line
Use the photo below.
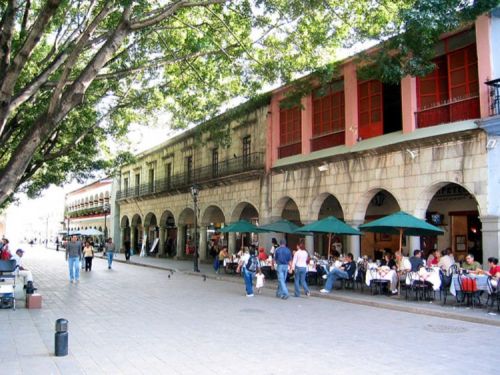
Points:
[(41, 218)]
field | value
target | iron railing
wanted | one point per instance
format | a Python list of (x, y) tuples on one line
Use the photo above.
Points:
[(209, 173), (494, 96)]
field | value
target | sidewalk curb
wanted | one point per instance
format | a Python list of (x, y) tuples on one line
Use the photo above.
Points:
[(333, 297)]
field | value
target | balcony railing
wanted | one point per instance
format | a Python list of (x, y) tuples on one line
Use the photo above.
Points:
[(289, 150), (332, 139), (494, 86), (455, 110), (210, 173)]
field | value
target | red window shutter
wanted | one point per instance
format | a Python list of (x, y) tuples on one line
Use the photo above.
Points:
[(370, 104)]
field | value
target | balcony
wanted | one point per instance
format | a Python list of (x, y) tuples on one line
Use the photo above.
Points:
[(332, 139), (238, 168), (494, 87), (289, 150), (463, 108), (82, 212)]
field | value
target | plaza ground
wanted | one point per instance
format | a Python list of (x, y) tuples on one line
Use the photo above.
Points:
[(138, 320)]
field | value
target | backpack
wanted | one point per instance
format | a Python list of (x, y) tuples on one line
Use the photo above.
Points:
[(252, 264)]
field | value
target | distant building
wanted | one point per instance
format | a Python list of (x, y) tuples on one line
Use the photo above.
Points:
[(89, 208)]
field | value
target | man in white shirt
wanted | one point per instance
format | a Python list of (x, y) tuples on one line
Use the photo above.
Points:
[(23, 272), (446, 261)]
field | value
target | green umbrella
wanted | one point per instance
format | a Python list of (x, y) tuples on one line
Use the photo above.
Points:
[(330, 225), (242, 226), (281, 226), (403, 224)]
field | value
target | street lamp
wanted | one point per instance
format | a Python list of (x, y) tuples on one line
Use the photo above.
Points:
[(194, 193), (105, 208)]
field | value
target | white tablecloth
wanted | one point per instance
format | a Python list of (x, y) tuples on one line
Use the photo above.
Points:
[(481, 281)]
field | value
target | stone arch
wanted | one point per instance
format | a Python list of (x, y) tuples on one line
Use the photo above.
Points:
[(136, 220), (168, 234), (167, 219), (150, 220), (124, 222), (364, 200), (426, 195), (287, 208), (325, 199), (212, 214), (244, 210), (186, 216)]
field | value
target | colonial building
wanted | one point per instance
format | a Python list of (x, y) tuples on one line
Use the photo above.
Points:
[(89, 208), (363, 149), (155, 198)]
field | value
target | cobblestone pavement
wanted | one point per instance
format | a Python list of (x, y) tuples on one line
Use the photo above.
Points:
[(137, 320)]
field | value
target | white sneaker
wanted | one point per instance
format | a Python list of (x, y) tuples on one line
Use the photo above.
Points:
[(324, 291), (249, 295), (324, 277)]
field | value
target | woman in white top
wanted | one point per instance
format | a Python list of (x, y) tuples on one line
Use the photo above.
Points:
[(299, 265)]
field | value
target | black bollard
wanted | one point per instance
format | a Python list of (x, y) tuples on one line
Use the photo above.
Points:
[(61, 338)]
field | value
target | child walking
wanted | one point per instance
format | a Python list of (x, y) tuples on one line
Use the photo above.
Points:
[(259, 284)]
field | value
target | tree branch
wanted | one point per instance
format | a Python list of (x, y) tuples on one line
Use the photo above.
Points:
[(8, 25), (168, 11)]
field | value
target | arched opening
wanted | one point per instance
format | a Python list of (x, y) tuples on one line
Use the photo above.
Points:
[(382, 203), (152, 232), (125, 227), (290, 212), (244, 211), (212, 220), (186, 226), (168, 235), (454, 210), (330, 206), (136, 234)]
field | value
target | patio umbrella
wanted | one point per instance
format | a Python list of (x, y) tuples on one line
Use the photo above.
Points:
[(401, 223), (281, 226), (330, 225), (242, 226), (91, 232)]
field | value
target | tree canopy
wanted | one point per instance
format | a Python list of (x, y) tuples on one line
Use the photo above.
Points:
[(75, 72)]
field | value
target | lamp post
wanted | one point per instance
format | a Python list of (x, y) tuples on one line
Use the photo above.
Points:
[(194, 193), (105, 208)]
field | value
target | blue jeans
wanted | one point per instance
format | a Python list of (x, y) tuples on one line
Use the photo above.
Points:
[(74, 268), (282, 272), (300, 279), (110, 254), (333, 276), (248, 277)]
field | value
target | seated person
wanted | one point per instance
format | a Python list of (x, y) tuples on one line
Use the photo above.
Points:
[(435, 259), (416, 261), (494, 271), (388, 261), (345, 271), (262, 254), (471, 265), (23, 272), (445, 261)]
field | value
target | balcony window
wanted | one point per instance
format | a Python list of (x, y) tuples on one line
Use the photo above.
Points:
[(247, 149), (370, 105), (290, 132), (151, 180), (215, 162), (328, 118), (451, 92), (168, 175), (189, 169), (137, 184)]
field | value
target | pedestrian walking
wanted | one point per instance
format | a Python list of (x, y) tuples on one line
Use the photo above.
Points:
[(283, 259), (88, 254), (126, 245), (73, 255), (299, 265), (259, 284), (110, 251), (249, 265)]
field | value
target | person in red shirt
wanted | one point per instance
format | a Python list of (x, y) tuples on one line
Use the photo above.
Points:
[(5, 252), (494, 268), (262, 254)]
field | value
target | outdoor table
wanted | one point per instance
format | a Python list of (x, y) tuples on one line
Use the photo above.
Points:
[(481, 281), (230, 267), (433, 277)]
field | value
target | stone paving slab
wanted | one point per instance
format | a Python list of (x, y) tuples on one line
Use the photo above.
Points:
[(136, 320)]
